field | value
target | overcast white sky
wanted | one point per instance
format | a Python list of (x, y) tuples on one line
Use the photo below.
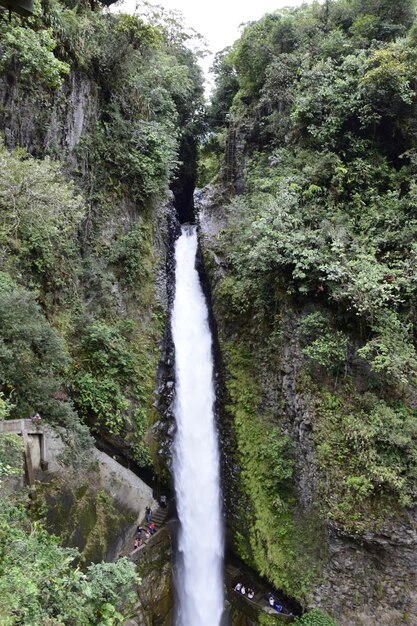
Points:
[(217, 20)]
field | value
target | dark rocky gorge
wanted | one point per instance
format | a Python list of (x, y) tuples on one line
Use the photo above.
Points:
[(316, 443)]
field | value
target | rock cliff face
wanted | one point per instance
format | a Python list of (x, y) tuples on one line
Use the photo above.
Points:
[(155, 594), (362, 578), (51, 124), (61, 125), (164, 428)]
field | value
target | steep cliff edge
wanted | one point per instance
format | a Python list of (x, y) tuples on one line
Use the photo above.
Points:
[(100, 103), (278, 499), (307, 244)]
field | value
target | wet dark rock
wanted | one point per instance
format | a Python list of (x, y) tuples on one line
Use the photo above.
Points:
[(155, 594), (368, 579), (164, 429)]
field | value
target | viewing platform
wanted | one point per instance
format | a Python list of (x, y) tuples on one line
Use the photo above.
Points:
[(237, 572), (35, 441)]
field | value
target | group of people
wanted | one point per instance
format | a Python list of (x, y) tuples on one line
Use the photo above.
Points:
[(249, 592), (143, 534)]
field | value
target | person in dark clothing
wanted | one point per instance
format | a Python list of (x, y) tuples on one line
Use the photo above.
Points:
[(278, 606), (148, 514)]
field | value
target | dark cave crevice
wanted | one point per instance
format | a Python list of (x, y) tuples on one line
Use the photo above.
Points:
[(183, 185)]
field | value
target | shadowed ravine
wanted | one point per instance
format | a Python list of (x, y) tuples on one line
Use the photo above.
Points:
[(196, 456)]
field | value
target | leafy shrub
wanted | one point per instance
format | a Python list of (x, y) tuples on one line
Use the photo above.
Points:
[(40, 584), (391, 351), (367, 448), (315, 617), (112, 378), (139, 153), (108, 366), (40, 215), (33, 356), (11, 455), (102, 399), (31, 49), (128, 253), (325, 346), (141, 35)]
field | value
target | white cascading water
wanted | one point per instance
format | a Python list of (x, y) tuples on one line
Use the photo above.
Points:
[(196, 455)]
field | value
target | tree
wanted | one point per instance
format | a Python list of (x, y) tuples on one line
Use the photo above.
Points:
[(32, 354), (40, 214), (394, 17), (40, 584), (315, 617)]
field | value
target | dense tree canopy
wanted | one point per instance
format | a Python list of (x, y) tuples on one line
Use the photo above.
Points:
[(39, 584), (330, 187)]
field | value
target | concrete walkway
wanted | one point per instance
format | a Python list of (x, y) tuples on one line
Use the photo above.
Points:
[(236, 574), (43, 448)]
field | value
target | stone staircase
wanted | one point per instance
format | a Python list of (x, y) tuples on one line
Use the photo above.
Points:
[(158, 518)]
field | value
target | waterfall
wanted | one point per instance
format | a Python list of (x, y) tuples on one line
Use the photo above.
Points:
[(196, 455)]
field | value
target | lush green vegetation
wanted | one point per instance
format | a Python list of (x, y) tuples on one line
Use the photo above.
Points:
[(321, 102), (328, 208), (319, 247), (78, 231), (103, 104), (11, 448), (42, 581), (287, 557), (33, 47), (40, 586), (39, 582), (316, 617)]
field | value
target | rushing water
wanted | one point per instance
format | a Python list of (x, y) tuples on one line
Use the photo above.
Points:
[(196, 456)]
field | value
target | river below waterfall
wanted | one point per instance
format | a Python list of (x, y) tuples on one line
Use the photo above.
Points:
[(199, 586)]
